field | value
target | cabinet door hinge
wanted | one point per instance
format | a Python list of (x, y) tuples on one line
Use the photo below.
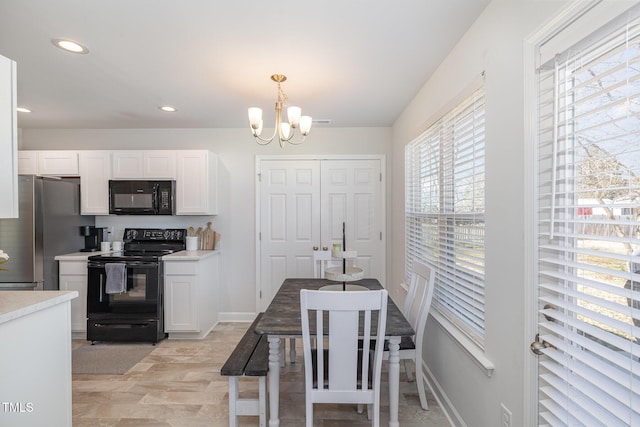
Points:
[(380, 176), (260, 294), (259, 235), (259, 177), (381, 235)]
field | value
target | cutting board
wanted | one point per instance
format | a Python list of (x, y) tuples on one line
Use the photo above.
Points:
[(208, 238)]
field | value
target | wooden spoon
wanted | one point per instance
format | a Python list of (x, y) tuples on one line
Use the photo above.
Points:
[(198, 231), (190, 231)]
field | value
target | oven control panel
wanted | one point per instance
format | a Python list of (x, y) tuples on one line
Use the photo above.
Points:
[(153, 234)]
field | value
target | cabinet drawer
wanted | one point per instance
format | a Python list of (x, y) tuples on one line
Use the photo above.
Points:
[(73, 267), (177, 267)]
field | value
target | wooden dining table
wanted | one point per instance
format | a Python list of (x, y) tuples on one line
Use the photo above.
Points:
[(281, 320)]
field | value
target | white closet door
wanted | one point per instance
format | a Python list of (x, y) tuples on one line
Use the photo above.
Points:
[(289, 222), (303, 204), (351, 192)]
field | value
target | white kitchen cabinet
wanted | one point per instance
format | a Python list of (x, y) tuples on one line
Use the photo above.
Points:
[(126, 164), (160, 164), (73, 277), (191, 294), (149, 164), (8, 140), (95, 172), (27, 162), (58, 163), (197, 183)]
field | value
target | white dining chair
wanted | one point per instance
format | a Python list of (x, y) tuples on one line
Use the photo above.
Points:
[(416, 310), (341, 372)]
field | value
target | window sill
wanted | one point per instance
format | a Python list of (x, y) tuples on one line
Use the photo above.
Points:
[(464, 342)]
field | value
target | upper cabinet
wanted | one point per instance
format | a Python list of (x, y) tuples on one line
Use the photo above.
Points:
[(50, 162), (8, 140), (195, 173), (197, 183), (58, 163), (152, 164), (95, 172)]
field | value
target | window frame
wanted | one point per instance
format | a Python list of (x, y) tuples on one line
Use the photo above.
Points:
[(430, 202)]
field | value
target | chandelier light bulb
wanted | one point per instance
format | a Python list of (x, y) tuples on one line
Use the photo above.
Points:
[(293, 114), (255, 117), (284, 130), (305, 125)]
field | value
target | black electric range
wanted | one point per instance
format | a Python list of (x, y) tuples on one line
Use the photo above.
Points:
[(125, 290)]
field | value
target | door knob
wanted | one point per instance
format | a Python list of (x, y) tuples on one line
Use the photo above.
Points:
[(315, 248), (324, 248)]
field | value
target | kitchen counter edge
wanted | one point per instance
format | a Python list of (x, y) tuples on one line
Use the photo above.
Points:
[(78, 256), (190, 255), (16, 304)]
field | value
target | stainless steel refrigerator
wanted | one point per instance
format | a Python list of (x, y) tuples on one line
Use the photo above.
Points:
[(48, 225)]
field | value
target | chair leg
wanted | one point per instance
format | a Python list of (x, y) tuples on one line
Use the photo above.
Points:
[(407, 370), (309, 413), (420, 383), (360, 408), (292, 350), (283, 358)]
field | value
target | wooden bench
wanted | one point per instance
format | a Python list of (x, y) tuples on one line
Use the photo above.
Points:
[(250, 358)]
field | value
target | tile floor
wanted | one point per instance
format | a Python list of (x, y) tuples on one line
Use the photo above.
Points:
[(179, 384)]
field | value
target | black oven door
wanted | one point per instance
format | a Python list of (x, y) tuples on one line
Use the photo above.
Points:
[(132, 316), (143, 283)]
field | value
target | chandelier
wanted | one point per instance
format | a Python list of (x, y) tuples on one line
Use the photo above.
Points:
[(284, 130)]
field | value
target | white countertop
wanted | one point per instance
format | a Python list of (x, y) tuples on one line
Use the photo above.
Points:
[(78, 256), (189, 255), (177, 256), (15, 304)]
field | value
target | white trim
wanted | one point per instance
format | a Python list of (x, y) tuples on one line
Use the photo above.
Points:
[(531, 61), (452, 414), (464, 342)]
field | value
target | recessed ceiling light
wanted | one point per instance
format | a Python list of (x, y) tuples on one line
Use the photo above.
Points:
[(168, 108), (70, 46), (23, 110)]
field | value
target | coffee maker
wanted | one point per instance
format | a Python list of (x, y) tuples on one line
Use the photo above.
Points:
[(93, 236)]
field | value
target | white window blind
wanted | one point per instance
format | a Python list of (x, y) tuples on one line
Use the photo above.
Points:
[(589, 232), (444, 212)]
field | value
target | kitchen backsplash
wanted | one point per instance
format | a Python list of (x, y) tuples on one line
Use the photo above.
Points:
[(120, 222)]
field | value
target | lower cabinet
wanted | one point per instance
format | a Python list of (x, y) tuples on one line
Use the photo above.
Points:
[(190, 296), (73, 277)]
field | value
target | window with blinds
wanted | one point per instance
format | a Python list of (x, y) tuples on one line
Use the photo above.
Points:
[(444, 211), (589, 232)]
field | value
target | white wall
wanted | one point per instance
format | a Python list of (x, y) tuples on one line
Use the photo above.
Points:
[(493, 44), (236, 150)]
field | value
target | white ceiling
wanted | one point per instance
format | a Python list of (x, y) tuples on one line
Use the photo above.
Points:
[(354, 62)]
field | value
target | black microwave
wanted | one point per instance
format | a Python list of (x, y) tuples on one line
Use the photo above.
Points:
[(142, 197)]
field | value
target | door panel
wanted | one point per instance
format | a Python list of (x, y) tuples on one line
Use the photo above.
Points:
[(352, 193), (289, 214), (303, 204)]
